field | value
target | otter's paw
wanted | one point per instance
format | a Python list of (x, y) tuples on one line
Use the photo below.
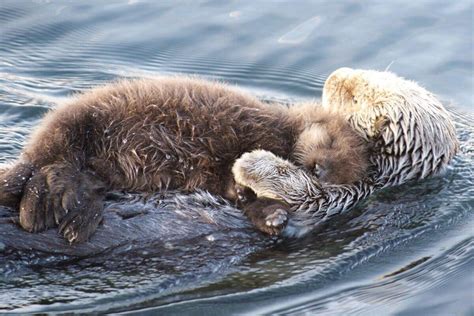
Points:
[(276, 219), (267, 215), (271, 220), (272, 177), (79, 225), (244, 194), (38, 205), (59, 194), (12, 183)]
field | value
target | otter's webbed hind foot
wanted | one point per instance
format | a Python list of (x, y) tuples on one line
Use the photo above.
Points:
[(60, 194), (12, 183)]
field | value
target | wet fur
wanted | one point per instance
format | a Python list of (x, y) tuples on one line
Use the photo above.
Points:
[(164, 134)]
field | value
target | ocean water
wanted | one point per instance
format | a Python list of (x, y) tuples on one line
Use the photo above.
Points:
[(405, 251)]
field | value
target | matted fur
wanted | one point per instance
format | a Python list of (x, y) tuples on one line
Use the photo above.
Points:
[(411, 133)]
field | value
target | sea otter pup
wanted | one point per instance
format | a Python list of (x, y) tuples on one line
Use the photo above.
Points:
[(167, 134), (410, 133)]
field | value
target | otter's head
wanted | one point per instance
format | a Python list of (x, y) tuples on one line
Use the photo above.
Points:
[(412, 132)]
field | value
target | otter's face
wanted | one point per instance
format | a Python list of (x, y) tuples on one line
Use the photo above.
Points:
[(410, 126), (363, 96)]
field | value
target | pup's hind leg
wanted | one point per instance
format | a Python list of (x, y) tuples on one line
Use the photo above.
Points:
[(61, 194), (12, 183)]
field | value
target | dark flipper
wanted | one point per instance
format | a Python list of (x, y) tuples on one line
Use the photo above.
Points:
[(60, 194)]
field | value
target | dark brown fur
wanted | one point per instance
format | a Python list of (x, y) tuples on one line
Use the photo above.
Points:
[(328, 146), (158, 134)]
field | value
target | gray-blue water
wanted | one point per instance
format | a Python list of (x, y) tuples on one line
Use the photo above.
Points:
[(406, 251)]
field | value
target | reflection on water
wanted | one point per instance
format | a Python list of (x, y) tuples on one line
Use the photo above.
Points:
[(282, 51)]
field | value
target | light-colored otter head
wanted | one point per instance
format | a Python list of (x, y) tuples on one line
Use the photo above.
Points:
[(413, 135)]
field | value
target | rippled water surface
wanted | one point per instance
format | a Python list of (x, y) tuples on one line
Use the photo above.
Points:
[(408, 250)]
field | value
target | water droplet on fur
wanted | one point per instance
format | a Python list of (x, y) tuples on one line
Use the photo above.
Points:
[(168, 157), (124, 141), (210, 238), (94, 114), (191, 168)]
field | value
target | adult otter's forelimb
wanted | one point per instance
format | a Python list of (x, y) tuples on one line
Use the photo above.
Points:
[(62, 194), (309, 200)]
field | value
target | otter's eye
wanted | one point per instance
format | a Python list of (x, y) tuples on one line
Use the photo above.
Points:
[(317, 170)]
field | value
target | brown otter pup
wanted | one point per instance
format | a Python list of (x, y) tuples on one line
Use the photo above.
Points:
[(167, 134)]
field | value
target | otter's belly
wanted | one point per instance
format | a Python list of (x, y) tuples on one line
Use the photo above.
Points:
[(133, 221)]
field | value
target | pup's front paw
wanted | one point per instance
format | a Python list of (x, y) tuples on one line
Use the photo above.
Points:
[(244, 194), (268, 216), (276, 219)]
